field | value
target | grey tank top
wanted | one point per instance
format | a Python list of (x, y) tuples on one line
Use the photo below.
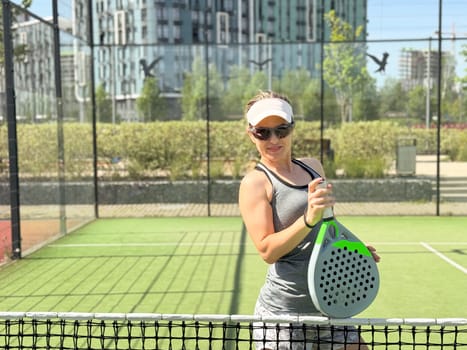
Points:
[(285, 290)]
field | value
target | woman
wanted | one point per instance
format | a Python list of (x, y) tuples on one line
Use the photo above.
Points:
[(282, 206)]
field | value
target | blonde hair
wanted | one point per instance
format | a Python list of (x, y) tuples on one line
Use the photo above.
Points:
[(262, 95)]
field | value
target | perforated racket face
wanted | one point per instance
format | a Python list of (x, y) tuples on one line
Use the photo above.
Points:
[(345, 276)]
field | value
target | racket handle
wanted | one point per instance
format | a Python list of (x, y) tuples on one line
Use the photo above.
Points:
[(328, 212)]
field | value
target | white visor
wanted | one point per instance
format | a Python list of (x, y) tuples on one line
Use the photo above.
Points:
[(267, 107)]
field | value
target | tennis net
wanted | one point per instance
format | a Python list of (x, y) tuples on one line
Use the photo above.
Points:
[(51, 330)]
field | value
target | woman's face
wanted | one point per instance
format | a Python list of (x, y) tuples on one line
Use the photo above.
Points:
[(273, 148)]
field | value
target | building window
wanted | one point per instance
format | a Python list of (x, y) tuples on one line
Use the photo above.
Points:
[(177, 32), (176, 14), (99, 6), (165, 31), (120, 28), (222, 24), (23, 38), (196, 34), (162, 14), (228, 5), (261, 37), (82, 64), (311, 20)]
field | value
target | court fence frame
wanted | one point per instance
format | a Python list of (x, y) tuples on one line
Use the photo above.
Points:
[(15, 188)]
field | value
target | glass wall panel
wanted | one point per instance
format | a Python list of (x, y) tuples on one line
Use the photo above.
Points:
[(381, 105), (5, 208), (54, 146)]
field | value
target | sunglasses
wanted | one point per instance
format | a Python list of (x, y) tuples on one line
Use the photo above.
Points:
[(264, 134)]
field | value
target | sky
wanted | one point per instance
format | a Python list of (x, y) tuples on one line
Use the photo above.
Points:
[(388, 21), (42, 8)]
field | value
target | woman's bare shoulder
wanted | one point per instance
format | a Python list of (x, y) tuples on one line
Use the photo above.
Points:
[(253, 178), (254, 189), (314, 163)]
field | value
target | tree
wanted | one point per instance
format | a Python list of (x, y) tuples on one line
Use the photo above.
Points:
[(234, 97), (452, 107), (103, 105), (393, 98), (293, 84), (311, 101), (20, 49), (464, 53), (463, 85), (194, 92), (367, 102), (258, 81), (416, 105), (241, 87), (344, 64), (150, 104)]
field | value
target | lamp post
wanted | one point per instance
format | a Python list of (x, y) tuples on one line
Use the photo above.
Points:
[(105, 18), (428, 86), (450, 63)]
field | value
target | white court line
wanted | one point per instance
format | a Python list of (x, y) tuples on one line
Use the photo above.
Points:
[(169, 244), (71, 245), (416, 243), (444, 257)]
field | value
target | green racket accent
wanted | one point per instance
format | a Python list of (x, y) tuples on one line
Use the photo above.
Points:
[(324, 228), (359, 247), (353, 246)]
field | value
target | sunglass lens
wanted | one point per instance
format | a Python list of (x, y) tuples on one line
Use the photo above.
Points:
[(282, 131), (265, 133), (262, 133)]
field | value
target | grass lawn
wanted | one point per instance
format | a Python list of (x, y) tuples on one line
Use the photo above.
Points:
[(209, 266)]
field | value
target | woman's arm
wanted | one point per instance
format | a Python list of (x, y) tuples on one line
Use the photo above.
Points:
[(256, 211)]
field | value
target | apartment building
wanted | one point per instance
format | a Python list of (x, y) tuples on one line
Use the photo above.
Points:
[(421, 67), (162, 38), (35, 69), (135, 39)]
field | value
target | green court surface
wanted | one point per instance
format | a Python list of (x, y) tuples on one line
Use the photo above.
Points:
[(209, 266)]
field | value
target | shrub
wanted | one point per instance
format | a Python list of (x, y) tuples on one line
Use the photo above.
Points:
[(365, 149), (179, 149), (454, 144), (426, 140)]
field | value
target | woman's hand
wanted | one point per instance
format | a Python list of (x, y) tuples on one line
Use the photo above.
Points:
[(373, 253), (319, 198)]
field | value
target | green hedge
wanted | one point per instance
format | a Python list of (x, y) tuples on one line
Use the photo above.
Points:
[(178, 149)]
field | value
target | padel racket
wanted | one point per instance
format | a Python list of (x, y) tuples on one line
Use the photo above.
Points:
[(343, 278)]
